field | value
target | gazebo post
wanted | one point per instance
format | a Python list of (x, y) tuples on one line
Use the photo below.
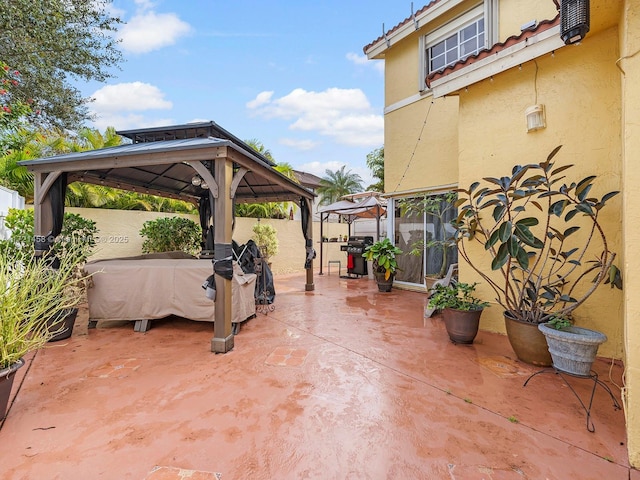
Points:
[(309, 286), (222, 340), (321, 240)]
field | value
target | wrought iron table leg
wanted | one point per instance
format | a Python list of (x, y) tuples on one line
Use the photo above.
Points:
[(596, 381)]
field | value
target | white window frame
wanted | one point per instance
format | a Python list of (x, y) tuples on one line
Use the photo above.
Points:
[(488, 10)]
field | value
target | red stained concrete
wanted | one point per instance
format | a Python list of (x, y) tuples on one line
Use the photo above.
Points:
[(342, 382)]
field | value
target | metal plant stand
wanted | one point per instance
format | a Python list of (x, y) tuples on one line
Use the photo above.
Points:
[(262, 301), (593, 376)]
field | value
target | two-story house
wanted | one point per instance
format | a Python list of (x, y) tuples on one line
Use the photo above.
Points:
[(475, 87)]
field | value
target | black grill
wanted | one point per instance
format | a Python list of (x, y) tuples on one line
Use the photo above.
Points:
[(356, 264)]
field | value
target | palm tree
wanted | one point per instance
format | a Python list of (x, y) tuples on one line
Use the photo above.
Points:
[(269, 209), (375, 162), (259, 147), (87, 195), (93, 139), (335, 185)]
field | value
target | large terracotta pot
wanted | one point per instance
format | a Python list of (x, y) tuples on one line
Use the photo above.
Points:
[(6, 382), (462, 326), (529, 344)]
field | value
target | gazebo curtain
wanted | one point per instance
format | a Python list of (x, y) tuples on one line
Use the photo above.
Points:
[(57, 194), (305, 215), (204, 210)]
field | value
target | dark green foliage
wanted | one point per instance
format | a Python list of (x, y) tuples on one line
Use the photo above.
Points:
[(77, 236), (171, 234), (456, 295), (53, 43), (375, 163), (335, 185), (383, 254), (528, 223)]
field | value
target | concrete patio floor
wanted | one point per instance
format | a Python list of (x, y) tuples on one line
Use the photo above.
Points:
[(340, 383)]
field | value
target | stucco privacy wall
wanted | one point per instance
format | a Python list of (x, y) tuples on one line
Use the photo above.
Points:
[(588, 129), (630, 70), (119, 236)]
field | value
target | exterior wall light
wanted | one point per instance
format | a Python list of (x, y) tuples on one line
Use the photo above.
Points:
[(535, 117), (574, 20)]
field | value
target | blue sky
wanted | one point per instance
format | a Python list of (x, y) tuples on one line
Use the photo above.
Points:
[(289, 73)]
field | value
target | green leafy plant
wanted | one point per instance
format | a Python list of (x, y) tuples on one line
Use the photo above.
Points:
[(559, 322), (543, 263), (266, 238), (76, 238), (456, 295), (383, 254), (171, 234), (31, 293)]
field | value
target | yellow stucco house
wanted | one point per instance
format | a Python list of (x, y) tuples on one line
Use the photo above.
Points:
[(461, 77)]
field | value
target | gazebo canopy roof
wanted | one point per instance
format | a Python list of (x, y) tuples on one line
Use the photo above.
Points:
[(369, 207), (161, 159)]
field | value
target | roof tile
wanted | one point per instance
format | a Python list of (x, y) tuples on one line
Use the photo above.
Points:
[(498, 47)]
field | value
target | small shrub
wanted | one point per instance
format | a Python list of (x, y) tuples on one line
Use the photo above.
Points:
[(77, 236), (171, 234), (266, 238)]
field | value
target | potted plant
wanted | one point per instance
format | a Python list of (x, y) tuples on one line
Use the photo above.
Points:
[(461, 311), (266, 238), (573, 349), (383, 254), (76, 240), (31, 292), (540, 259)]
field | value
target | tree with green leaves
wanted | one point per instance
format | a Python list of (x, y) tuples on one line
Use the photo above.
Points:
[(335, 185), (266, 209), (375, 162), (52, 43)]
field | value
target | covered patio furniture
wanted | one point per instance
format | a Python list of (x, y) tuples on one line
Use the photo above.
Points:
[(150, 287)]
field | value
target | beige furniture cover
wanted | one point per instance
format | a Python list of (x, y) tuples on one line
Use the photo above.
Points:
[(156, 286)]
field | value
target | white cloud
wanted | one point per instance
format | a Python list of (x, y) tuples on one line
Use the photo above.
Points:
[(128, 121), (362, 60), (134, 96), (357, 59), (298, 144), (262, 99), (320, 168), (342, 114), (148, 30), (123, 105), (144, 4)]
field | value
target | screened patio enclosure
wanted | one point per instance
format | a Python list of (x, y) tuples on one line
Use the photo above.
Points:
[(201, 163)]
